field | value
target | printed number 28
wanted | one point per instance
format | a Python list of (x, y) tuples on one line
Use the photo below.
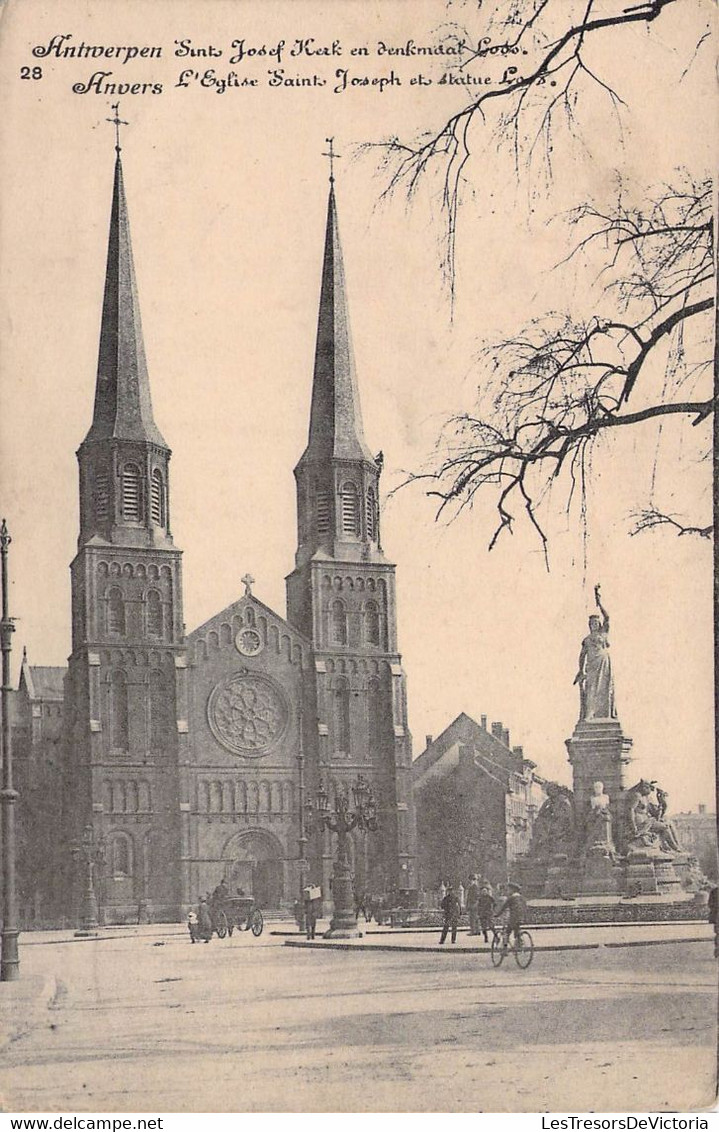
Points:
[(31, 72)]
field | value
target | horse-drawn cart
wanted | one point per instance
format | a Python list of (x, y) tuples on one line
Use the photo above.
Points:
[(239, 912)]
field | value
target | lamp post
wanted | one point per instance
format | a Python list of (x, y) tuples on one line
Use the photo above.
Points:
[(88, 855), (341, 819), (9, 961)]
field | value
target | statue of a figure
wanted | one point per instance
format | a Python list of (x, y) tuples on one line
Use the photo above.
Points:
[(596, 684), (645, 821), (598, 827), (553, 829)]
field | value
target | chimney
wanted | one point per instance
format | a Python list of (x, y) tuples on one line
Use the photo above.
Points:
[(483, 721), (428, 740), (518, 751), (505, 737), (702, 808), (497, 730)]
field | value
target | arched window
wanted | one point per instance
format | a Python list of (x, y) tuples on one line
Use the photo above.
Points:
[(371, 514), (287, 797), (119, 799), (322, 511), (372, 623), (215, 797), (338, 623), (131, 493), (102, 495), (342, 715), (144, 802), (154, 614), (121, 855), (276, 798), (157, 498), (119, 711), (350, 509), (374, 716), (159, 712), (132, 798), (115, 612)]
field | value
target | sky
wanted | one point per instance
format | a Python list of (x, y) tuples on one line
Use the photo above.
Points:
[(227, 199)]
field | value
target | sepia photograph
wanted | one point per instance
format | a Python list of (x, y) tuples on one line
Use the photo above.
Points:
[(357, 404)]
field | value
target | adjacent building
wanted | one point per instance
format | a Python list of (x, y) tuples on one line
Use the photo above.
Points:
[(476, 798)]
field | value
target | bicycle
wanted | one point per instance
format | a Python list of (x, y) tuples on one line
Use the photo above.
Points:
[(523, 947)]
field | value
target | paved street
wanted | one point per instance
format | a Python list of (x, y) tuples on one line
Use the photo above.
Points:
[(140, 1020)]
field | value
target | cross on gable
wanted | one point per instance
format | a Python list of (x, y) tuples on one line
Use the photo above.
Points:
[(247, 581)]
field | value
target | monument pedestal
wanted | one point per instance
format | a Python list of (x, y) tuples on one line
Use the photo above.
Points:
[(599, 752)]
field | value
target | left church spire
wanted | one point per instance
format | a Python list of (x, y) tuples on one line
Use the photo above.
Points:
[(123, 406), (124, 458)]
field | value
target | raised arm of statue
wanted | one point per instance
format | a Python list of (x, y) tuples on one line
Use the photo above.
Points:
[(600, 607)]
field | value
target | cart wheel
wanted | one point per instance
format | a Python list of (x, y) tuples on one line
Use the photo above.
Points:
[(257, 923), (221, 925)]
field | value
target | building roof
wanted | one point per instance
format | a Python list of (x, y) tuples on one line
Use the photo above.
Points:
[(465, 731), (43, 682), (336, 429), (123, 409)]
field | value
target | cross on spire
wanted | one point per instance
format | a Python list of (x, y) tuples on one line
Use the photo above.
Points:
[(332, 156), (117, 121)]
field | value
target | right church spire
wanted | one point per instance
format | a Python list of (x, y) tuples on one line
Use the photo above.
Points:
[(337, 476), (336, 430)]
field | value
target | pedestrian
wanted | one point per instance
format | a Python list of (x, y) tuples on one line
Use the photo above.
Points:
[(485, 910), (461, 896), (514, 906), (312, 902), (451, 910), (192, 925), (204, 920), (473, 905), (442, 892), (713, 917)]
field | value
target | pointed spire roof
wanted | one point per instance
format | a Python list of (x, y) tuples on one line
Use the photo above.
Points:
[(123, 408), (336, 429)]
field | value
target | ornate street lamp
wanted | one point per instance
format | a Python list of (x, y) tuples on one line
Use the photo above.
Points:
[(342, 819), (9, 960), (88, 855)]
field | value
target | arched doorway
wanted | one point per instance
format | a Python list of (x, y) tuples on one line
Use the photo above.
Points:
[(254, 863)]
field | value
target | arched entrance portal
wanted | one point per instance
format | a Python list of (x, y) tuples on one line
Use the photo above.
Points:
[(254, 863)]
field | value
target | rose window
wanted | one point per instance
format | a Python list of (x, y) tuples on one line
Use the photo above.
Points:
[(247, 713)]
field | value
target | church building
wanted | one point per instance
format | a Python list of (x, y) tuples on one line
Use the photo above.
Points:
[(197, 757)]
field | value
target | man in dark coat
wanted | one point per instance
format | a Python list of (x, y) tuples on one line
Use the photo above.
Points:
[(485, 910), (713, 917), (452, 912), (204, 921), (473, 906)]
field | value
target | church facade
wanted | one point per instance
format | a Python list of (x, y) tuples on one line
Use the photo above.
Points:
[(197, 757)]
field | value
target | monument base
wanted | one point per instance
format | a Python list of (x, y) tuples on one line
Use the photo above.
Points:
[(640, 873)]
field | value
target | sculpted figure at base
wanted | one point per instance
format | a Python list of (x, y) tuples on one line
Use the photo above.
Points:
[(596, 684), (598, 822), (646, 826), (554, 825)]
